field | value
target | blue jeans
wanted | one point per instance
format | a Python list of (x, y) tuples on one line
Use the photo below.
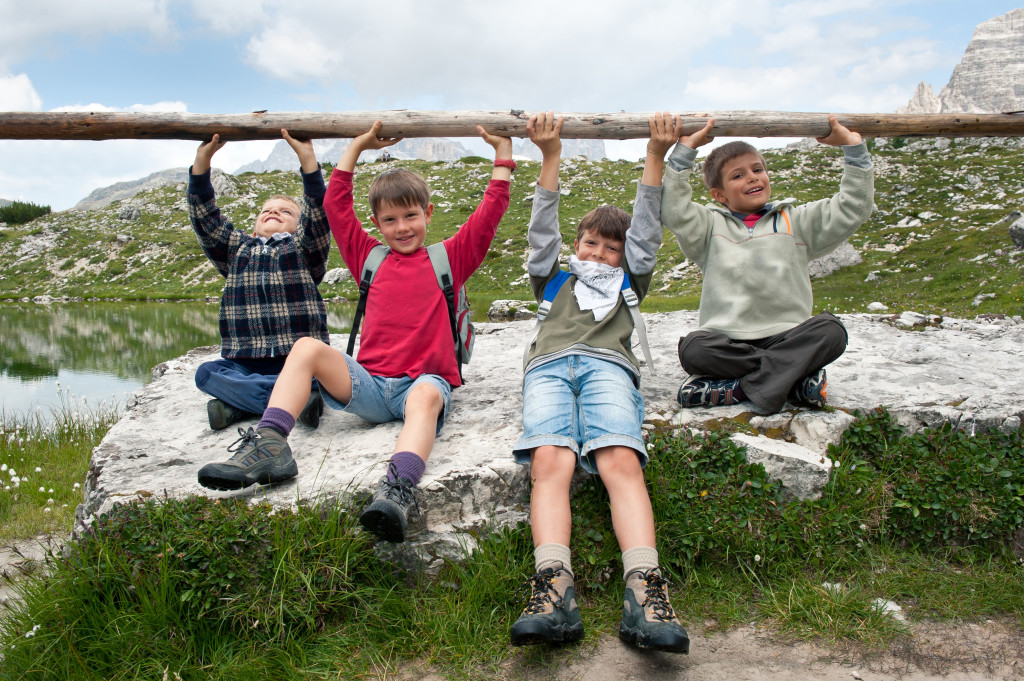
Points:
[(582, 403), (379, 399), (243, 383)]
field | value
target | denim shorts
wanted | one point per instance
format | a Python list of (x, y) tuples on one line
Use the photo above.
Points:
[(378, 399), (582, 403)]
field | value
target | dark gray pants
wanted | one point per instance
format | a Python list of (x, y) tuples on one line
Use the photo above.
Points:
[(768, 368)]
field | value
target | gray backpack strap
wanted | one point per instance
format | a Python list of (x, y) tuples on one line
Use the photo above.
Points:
[(438, 256), (633, 303), (373, 260)]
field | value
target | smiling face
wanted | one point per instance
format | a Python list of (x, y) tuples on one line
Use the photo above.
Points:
[(593, 247), (277, 215), (745, 186), (404, 228)]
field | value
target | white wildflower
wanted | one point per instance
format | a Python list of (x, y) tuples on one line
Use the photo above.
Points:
[(757, 558)]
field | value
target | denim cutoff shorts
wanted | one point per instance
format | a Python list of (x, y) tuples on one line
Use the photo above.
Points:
[(379, 399), (582, 403)]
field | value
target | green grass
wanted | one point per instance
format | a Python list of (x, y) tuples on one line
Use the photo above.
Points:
[(207, 589), (43, 462)]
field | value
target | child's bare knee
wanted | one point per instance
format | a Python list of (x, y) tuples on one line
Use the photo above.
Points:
[(424, 397), (617, 462)]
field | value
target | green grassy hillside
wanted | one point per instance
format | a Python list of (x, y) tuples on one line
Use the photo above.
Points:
[(938, 242)]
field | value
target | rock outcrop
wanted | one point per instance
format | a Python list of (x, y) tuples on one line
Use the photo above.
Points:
[(989, 78), (927, 372), (98, 198)]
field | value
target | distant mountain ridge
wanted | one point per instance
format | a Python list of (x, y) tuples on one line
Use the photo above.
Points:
[(989, 77)]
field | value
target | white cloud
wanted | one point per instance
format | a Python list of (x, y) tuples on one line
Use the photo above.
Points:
[(158, 107), (29, 27), (18, 94)]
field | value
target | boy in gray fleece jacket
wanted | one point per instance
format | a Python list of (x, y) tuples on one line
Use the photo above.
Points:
[(757, 339), (581, 406)]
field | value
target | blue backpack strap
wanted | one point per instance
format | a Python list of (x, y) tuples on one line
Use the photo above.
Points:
[(551, 290), (373, 260)]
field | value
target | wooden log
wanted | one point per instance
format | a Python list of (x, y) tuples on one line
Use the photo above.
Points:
[(401, 123)]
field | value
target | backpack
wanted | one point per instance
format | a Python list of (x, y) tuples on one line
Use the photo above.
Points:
[(551, 290), (459, 316)]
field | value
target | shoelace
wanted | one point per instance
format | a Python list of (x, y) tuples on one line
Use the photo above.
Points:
[(656, 589), (240, 446), (400, 489), (542, 588)]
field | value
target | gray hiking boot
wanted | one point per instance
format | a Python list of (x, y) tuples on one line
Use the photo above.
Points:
[(387, 514), (551, 614), (812, 390), (704, 391), (314, 409), (222, 414), (648, 620), (260, 456)]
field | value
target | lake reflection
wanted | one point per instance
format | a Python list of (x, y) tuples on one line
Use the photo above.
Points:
[(101, 351)]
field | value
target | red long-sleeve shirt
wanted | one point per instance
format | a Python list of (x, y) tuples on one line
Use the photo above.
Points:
[(406, 331)]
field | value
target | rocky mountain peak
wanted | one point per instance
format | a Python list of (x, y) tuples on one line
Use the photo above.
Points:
[(989, 77)]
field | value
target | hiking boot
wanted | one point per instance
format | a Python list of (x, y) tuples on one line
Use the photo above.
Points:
[(222, 414), (704, 391), (647, 617), (387, 513), (551, 615), (812, 390), (260, 456), (314, 409)]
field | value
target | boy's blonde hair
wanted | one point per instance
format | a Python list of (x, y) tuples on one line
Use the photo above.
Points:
[(282, 197), (609, 222), (398, 187), (719, 156)]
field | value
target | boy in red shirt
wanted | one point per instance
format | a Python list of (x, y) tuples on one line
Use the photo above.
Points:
[(407, 365)]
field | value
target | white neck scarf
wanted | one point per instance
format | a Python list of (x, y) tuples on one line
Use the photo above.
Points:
[(597, 285)]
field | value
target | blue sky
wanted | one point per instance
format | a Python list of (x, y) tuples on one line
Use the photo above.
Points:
[(235, 56)]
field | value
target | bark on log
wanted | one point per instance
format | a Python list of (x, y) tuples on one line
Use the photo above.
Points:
[(263, 125)]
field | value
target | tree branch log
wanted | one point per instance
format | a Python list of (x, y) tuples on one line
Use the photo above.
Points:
[(403, 123)]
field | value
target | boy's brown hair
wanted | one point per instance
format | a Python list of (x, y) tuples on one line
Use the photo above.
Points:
[(398, 187), (608, 221), (719, 156)]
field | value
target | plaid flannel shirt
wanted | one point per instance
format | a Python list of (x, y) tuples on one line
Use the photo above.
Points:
[(270, 298)]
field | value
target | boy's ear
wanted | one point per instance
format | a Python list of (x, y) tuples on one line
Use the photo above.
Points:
[(373, 218), (428, 211), (718, 195)]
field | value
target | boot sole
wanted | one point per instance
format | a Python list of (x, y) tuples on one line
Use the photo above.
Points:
[(564, 633), (380, 520), (668, 644)]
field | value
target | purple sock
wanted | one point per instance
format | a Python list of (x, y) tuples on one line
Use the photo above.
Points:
[(407, 465), (278, 419)]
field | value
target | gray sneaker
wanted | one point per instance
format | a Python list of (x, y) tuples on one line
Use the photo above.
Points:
[(551, 614), (705, 391), (314, 409), (812, 390), (387, 514), (648, 620), (221, 414), (260, 456)]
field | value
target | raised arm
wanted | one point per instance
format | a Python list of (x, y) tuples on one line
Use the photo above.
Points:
[(204, 155), (502, 152), (543, 235), (368, 140), (304, 150), (665, 130)]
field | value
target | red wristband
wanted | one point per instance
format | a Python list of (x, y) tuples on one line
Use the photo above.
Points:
[(506, 163)]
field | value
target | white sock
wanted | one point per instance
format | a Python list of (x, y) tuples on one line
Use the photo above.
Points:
[(639, 558), (546, 555)]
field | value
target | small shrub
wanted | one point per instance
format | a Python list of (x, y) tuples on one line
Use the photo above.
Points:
[(18, 213)]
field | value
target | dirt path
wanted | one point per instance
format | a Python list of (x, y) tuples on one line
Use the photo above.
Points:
[(951, 652)]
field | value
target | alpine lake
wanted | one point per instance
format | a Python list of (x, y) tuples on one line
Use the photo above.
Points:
[(74, 355)]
